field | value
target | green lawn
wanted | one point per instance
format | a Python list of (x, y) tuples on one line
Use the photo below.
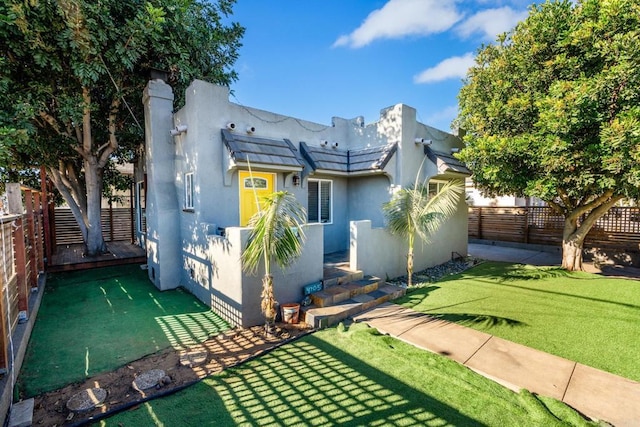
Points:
[(583, 317), (354, 377), (97, 320)]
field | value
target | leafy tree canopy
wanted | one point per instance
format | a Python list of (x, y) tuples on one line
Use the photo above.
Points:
[(553, 110), (72, 74)]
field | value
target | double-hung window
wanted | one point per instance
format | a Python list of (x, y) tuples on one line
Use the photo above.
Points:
[(188, 190), (319, 207)]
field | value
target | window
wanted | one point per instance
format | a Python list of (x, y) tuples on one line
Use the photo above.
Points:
[(188, 190), (141, 207), (319, 208), (435, 187)]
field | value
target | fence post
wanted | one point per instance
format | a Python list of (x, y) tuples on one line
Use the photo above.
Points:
[(479, 223), (31, 236), (526, 224), (14, 198), (20, 251), (46, 231)]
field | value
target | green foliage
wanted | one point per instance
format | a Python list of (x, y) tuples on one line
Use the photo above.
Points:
[(412, 213), (277, 232), (72, 74), (552, 110)]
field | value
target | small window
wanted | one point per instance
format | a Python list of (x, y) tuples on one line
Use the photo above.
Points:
[(257, 183), (188, 190), (435, 187), (319, 207)]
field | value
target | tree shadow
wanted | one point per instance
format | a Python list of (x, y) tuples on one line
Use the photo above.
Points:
[(482, 320)]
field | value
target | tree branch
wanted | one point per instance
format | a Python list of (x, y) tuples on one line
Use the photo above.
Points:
[(87, 139), (579, 210), (557, 207), (108, 148), (595, 215)]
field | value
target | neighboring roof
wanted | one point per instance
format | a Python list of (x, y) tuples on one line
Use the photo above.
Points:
[(261, 151), (446, 162), (347, 161)]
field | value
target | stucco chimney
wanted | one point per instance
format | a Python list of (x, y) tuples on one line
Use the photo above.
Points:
[(163, 226)]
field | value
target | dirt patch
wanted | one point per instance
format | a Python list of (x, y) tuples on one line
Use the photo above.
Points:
[(183, 367)]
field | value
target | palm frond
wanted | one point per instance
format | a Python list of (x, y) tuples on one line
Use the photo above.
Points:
[(277, 232)]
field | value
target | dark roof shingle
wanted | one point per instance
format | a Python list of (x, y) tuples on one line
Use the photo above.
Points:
[(348, 161), (254, 150)]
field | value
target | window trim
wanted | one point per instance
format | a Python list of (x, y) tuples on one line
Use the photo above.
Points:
[(320, 181), (189, 191), (141, 208)]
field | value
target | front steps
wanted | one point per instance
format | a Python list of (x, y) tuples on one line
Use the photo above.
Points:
[(346, 295)]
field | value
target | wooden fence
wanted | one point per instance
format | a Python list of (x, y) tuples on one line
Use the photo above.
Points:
[(22, 253), (618, 229), (117, 225)]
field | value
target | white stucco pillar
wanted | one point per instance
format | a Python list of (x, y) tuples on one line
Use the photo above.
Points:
[(163, 227)]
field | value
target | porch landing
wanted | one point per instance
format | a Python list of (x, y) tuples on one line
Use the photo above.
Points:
[(70, 257), (345, 293)]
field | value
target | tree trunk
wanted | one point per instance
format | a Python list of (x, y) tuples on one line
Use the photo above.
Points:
[(572, 243), (410, 268), (94, 242), (268, 304)]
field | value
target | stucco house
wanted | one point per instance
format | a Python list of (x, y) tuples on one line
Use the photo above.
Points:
[(202, 164)]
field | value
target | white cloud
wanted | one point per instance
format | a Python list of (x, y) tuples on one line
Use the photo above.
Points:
[(401, 18), (490, 22), (442, 119), (450, 68)]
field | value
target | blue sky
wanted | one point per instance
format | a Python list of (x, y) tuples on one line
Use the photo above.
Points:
[(315, 59)]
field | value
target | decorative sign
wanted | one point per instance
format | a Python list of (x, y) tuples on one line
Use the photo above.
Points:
[(312, 287)]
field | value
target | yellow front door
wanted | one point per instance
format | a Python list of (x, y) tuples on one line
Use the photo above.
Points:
[(253, 186)]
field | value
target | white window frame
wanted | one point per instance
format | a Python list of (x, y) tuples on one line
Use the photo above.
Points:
[(140, 208), (188, 190), (319, 221)]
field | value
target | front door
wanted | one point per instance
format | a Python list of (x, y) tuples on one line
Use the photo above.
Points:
[(253, 186)]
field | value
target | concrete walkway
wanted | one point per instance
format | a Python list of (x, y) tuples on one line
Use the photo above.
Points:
[(517, 255), (597, 394)]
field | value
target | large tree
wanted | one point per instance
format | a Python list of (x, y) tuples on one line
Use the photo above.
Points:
[(552, 110), (73, 72)]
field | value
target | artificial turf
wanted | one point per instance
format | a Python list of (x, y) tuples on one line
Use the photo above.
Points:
[(587, 318), (97, 320), (349, 377)]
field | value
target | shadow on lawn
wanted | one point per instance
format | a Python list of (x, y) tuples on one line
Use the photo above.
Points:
[(418, 295), (309, 382), (500, 274)]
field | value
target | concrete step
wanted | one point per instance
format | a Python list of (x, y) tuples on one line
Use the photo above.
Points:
[(336, 294), (322, 317), (335, 277)]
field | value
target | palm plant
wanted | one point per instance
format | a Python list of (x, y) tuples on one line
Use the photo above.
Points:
[(277, 235), (412, 212)]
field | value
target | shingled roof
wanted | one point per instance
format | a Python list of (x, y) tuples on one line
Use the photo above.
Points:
[(446, 162), (347, 161), (262, 151)]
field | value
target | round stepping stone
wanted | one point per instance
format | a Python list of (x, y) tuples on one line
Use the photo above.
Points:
[(193, 357), (148, 379), (86, 400)]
